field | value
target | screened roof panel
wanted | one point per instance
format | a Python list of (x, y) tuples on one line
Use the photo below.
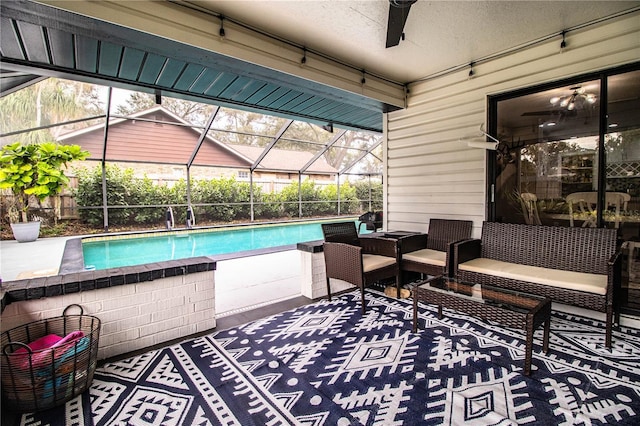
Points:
[(293, 157), (172, 133), (301, 131)]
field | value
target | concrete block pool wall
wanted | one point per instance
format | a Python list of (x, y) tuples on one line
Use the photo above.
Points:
[(140, 310), (146, 305)]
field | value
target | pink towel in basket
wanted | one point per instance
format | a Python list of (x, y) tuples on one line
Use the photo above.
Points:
[(41, 356)]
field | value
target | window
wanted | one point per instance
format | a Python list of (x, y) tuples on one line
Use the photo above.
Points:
[(243, 174), (569, 155)]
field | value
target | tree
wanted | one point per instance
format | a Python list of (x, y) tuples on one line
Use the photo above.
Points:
[(192, 112), (51, 101), (36, 169)]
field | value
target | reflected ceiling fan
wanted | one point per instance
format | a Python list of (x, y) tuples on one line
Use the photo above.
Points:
[(398, 13), (566, 106)]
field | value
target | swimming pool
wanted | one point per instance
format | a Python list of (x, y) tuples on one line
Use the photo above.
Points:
[(129, 250)]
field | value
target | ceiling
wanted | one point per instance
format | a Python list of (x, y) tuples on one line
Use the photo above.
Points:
[(439, 35), (38, 39)]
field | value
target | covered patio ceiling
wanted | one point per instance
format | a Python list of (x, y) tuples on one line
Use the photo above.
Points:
[(318, 61)]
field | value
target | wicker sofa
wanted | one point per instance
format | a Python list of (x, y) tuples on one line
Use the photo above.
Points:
[(574, 266)]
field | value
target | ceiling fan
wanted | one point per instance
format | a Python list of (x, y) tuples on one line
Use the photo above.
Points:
[(566, 106), (398, 12)]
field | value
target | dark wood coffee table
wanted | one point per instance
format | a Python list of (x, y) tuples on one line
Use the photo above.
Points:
[(506, 307)]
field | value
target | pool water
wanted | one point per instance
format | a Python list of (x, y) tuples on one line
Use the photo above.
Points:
[(136, 250)]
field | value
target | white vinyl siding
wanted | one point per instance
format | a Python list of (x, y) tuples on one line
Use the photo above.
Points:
[(432, 174)]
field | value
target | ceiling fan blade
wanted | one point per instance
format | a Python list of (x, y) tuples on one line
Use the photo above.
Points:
[(558, 113), (532, 113), (398, 12)]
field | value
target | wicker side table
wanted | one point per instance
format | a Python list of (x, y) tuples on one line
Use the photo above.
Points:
[(509, 308)]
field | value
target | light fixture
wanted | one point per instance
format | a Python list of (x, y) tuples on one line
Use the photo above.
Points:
[(471, 73), (547, 124), (304, 56), (221, 32), (577, 99), (563, 44), (364, 80)]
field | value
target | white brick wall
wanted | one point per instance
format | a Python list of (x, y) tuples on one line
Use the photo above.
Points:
[(133, 316), (314, 282)]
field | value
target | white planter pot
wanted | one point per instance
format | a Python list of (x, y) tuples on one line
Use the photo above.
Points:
[(26, 232)]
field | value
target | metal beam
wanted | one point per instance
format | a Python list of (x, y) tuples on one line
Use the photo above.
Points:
[(105, 208), (271, 144), (357, 160), (321, 152), (203, 136)]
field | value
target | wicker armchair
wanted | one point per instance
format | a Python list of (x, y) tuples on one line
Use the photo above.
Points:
[(359, 261), (430, 253)]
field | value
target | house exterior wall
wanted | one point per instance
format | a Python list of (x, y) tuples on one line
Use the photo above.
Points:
[(145, 141), (429, 172)]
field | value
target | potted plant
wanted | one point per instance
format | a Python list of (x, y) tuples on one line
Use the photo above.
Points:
[(34, 170)]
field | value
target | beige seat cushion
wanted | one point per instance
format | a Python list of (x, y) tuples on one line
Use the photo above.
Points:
[(591, 283), (432, 257), (371, 262)]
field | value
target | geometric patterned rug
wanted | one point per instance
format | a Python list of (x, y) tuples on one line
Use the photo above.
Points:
[(327, 364)]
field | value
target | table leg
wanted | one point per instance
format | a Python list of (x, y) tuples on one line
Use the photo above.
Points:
[(415, 313), (528, 348), (545, 340)]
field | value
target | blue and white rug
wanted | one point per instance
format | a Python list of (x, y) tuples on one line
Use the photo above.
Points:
[(327, 364)]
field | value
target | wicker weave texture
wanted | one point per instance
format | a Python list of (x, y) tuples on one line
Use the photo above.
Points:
[(343, 252), (344, 262), (588, 250), (442, 232), (572, 249), (42, 379), (340, 232)]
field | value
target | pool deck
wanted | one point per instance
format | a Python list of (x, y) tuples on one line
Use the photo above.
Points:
[(241, 284)]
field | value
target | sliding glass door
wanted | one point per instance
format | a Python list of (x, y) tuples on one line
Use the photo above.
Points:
[(569, 155)]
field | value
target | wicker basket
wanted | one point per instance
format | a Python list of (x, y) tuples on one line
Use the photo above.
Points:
[(35, 380)]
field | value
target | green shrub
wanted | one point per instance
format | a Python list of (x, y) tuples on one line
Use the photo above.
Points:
[(348, 199), (89, 194), (362, 192), (215, 200), (308, 194)]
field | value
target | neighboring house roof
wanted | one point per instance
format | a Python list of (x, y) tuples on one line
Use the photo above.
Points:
[(155, 142), (284, 159)]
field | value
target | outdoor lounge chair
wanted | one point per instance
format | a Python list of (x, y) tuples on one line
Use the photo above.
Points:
[(359, 261), (430, 253), (371, 220)]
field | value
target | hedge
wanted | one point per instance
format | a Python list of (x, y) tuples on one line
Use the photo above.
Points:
[(215, 200)]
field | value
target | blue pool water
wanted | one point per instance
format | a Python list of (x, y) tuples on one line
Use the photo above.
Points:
[(137, 250)]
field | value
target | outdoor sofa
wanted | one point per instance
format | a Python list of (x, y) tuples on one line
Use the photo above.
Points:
[(573, 266)]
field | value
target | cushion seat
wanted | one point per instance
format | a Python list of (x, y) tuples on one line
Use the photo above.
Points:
[(580, 281), (432, 257), (371, 262)]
